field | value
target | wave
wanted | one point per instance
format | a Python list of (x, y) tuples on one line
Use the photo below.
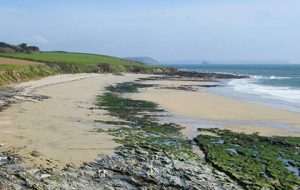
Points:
[(280, 93), (268, 77)]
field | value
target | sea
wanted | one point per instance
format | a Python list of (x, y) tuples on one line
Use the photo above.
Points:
[(276, 85)]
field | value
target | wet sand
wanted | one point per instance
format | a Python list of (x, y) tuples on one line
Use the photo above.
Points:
[(203, 105), (58, 129)]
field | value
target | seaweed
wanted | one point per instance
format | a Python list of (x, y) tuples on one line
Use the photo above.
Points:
[(112, 122), (127, 87), (142, 117), (255, 161)]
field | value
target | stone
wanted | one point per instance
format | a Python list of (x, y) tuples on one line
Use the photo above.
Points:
[(44, 176)]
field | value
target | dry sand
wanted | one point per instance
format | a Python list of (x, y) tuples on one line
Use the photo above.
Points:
[(207, 106), (59, 128)]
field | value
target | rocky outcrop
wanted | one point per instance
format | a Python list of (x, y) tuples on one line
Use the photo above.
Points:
[(190, 74), (130, 168)]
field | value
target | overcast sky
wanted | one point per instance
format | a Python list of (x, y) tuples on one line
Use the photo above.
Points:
[(162, 29)]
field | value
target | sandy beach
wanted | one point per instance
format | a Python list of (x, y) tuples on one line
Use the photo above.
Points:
[(229, 113), (55, 136), (57, 130)]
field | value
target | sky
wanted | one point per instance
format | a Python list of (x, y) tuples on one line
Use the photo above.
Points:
[(162, 29)]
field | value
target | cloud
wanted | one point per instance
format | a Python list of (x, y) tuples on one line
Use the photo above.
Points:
[(40, 39)]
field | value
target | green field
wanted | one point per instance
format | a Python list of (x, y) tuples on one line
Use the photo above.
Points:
[(50, 63), (73, 58), (80, 62)]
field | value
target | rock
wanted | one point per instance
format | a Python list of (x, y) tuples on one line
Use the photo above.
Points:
[(176, 181), (190, 74), (3, 159), (44, 176), (131, 167), (35, 153), (102, 173)]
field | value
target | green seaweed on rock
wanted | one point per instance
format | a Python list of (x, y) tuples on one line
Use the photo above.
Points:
[(127, 87), (112, 122), (255, 161), (145, 130)]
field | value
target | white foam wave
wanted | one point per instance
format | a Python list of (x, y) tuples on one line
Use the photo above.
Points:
[(281, 93), (268, 77)]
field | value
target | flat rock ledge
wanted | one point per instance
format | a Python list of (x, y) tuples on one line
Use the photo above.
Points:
[(130, 168)]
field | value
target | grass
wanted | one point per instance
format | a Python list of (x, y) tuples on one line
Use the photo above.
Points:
[(17, 73), (82, 62), (72, 58), (8, 67), (51, 63), (255, 161)]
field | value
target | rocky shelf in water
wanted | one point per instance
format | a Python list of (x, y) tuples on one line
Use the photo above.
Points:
[(194, 74)]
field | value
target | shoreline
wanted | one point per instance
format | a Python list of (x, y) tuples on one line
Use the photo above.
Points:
[(206, 109), (96, 127), (57, 139), (193, 109), (229, 91), (36, 109)]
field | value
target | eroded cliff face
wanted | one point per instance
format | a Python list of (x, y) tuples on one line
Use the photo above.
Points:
[(14, 74), (24, 73)]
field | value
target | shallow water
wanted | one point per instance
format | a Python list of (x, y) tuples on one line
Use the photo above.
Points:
[(192, 124), (274, 84), (228, 91), (290, 167)]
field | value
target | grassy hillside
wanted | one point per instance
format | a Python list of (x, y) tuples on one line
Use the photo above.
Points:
[(18, 71), (63, 57), (80, 62), (16, 67)]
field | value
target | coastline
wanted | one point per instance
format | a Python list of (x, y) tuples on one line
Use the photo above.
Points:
[(78, 131), (231, 92), (97, 125), (207, 109), (49, 121)]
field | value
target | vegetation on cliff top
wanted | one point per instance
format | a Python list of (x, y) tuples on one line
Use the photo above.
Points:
[(50, 63), (21, 48), (82, 62), (12, 71)]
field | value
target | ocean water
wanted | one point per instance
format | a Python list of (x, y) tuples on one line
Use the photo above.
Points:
[(275, 84)]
